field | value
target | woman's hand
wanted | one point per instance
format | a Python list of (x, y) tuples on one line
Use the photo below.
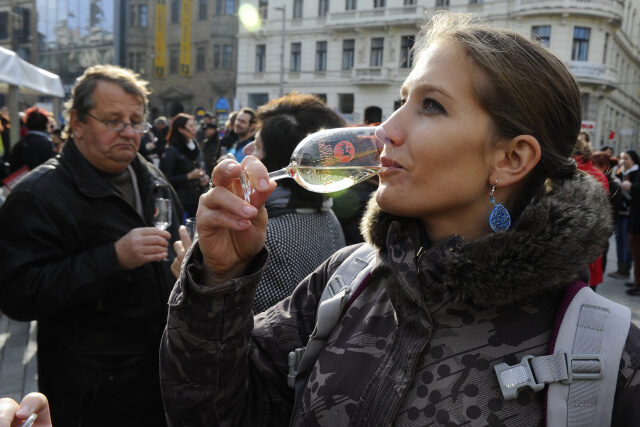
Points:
[(231, 231), (14, 415), (196, 174)]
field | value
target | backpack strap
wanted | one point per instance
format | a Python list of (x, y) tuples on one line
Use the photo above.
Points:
[(583, 370), (341, 285)]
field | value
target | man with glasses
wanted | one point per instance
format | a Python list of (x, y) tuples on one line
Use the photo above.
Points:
[(79, 254)]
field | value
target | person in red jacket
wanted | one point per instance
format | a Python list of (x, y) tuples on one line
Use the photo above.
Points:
[(583, 154)]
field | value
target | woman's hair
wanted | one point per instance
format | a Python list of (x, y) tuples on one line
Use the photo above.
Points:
[(36, 119), (525, 89), (179, 121), (286, 121), (583, 149), (602, 161)]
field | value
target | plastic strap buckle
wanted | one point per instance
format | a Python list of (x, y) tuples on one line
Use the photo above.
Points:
[(295, 357), (586, 370), (513, 378)]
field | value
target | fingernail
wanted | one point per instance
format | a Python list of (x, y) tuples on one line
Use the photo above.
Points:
[(263, 184), (24, 411), (231, 167), (248, 210), (243, 222)]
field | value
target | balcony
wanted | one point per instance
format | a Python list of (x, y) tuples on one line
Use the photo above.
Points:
[(594, 73), (371, 76), (376, 18), (603, 9)]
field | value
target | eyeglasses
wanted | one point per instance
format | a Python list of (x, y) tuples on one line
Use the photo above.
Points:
[(119, 125)]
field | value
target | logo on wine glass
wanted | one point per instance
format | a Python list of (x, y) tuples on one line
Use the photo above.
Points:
[(344, 151)]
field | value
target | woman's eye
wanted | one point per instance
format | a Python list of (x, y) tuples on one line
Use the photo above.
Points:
[(432, 106)]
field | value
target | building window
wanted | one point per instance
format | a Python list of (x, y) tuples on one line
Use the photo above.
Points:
[(406, 53), (409, 2), (201, 57), (296, 53), (132, 18), (174, 58), (322, 96), (345, 103), (541, 33), (216, 56), (323, 7), (377, 50), (4, 25), (606, 46), (258, 99), (227, 56), (476, 1), (261, 51), (440, 3), (351, 5), (263, 8), (297, 9), (202, 10), (321, 56), (175, 11), (143, 15), (378, 3), (348, 50), (580, 49), (140, 62), (229, 7)]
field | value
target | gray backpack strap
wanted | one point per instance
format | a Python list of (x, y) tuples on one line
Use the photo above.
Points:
[(342, 283), (592, 325), (583, 371)]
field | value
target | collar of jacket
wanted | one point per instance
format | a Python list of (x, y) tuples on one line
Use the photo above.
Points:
[(546, 249), (95, 183)]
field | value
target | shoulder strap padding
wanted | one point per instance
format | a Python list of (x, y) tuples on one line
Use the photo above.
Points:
[(342, 283), (592, 324)]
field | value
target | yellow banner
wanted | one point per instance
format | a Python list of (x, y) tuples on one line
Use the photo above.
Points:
[(185, 39), (160, 46)]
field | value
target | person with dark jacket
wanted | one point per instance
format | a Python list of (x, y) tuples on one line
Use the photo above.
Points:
[(471, 264), (182, 163), (79, 254), (627, 172), (35, 147), (210, 146), (631, 185)]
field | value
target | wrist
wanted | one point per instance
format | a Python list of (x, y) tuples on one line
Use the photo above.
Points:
[(212, 277)]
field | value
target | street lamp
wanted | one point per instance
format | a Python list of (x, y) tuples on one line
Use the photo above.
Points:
[(281, 91)]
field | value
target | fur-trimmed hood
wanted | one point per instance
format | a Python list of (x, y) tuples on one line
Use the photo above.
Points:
[(551, 242)]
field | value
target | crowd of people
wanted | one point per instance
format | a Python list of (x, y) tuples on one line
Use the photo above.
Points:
[(463, 268)]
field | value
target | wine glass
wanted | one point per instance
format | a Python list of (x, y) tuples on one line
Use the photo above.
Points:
[(330, 160), (162, 208)]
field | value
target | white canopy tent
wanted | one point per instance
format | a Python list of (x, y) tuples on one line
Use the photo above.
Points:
[(17, 75)]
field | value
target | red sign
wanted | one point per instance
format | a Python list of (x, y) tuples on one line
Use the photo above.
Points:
[(15, 177)]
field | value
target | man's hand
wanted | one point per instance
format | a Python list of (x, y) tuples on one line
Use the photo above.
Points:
[(180, 247), (13, 415), (142, 245)]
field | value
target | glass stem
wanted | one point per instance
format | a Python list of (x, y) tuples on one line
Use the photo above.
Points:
[(280, 173)]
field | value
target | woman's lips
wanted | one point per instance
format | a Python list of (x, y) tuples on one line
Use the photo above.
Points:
[(388, 163)]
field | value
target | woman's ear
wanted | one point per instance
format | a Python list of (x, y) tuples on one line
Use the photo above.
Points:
[(514, 160)]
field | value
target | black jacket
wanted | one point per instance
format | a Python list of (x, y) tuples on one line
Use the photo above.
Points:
[(177, 161), (98, 326), (32, 150)]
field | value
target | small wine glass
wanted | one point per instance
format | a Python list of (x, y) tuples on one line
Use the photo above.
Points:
[(330, 160), (162, 208)]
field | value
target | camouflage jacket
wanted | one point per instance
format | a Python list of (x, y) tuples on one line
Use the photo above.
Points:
[(416, 347)]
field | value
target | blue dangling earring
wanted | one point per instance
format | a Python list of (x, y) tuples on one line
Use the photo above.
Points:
[(499, 218)]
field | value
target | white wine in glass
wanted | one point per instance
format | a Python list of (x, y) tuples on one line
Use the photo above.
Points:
[(331, 160)]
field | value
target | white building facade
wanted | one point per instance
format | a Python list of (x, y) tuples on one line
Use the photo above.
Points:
[(355, 54)]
